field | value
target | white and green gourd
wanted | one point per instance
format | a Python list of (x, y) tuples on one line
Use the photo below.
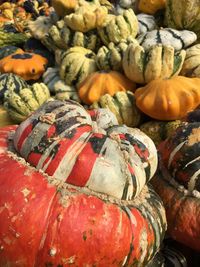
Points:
[(122, 5), (159, 62), (75, 64), (119, 27), (20, 105), (146, 23), (122, 104), (167, 36)]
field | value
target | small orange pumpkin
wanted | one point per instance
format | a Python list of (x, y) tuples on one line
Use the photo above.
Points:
[(169, 99), (100, 83), (151, 6), (29, 66)]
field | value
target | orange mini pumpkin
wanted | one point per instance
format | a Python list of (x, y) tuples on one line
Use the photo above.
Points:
[(169, 99), (29, 66), (103, 82)]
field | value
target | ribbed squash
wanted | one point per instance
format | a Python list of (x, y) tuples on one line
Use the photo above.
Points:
[(119, 27), (10, 82), (10, 38), (167, 36), (169, 99), (103, 82), (4, 117), (29, 66), (159, 62), (146, 23), (75, 64), (183, 14), (122, 104), (191, 66), (85, 19), (151, 6), (20, 105), (110, 57)]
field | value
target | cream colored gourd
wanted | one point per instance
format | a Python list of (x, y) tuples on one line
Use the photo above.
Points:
[(191, 65)]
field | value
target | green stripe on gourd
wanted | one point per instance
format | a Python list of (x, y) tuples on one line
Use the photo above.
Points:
[(20, 105), (10, 38), (110, 58), (10, 82), (75, 64), (119, 27), (122, 104), (158, 62), (146, 23)]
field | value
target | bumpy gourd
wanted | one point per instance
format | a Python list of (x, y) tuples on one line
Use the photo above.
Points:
[(159, 62), (169, 99), (122, 104), (119, 27), (75, 64), (167, 36), (20, 105), (100, 83), (191, 65), (10, 38)]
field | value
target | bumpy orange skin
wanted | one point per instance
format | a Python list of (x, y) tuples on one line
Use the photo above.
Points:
[(151, 6)]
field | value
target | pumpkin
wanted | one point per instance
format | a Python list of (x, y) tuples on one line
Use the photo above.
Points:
[(85, 19), (110, 57), (20, 105), (160, 130), (119, 27), (122, 104), (151, 6), (191, 66), (169, 99), (9, 49), (75, 64), (100, 83), (146, 23), (159, 62), (29, 66), (71, 220), (167, 36), (177, 182), (183, 14), (11, 38), (4, 117), (10, 82)]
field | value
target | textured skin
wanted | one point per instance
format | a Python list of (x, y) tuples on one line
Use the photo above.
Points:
[(44, 222)]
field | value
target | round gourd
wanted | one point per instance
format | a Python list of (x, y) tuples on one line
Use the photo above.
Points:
[(169, 99), (146, 23), (20, 105), (75, 64), (167, 36), (122, 104), (177, 182), (151, 6), (159, 62), (100, 83), (29, 66), (191, 66), (183, 14), (85, 19), (119, 27), (10, 82)]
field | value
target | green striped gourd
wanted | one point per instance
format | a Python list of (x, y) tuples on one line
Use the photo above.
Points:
[(122, 104), (61, 36), (146, 23), (119, 27), (10, 82), (10, 38), (75, 64), (183, 14), (159, 61), (8, 50), (110, 57), (20, 105), (167, 36)]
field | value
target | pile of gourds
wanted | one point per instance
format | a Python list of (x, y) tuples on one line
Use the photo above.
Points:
[(77, 80)]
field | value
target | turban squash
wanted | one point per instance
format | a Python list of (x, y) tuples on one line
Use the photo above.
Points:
[(178, 182), (68, 221)]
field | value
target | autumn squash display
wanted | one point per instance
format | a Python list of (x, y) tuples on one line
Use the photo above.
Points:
[(169, 99), (159, 62), (122, 104), (29, 66), (102, 82), (177, 182), (78, 166)]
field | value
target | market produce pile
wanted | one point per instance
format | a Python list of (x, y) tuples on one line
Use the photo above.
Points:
[(100, 133)]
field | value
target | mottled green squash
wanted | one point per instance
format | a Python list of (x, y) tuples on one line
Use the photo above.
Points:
[(10, 38), (8, 50), (122, 104), (20, 105)]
